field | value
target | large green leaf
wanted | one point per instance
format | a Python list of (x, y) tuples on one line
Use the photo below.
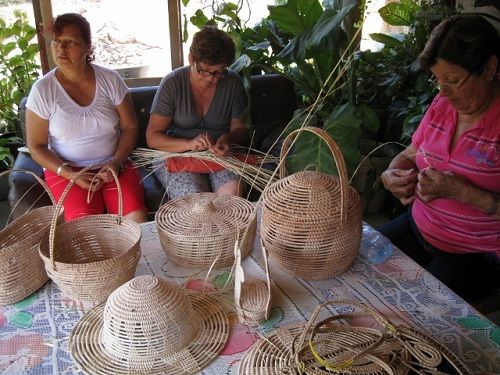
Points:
[(388, 40), (199, 19), (309, 152), (324, 28), (296, 15), (344, 125), (399, 14)]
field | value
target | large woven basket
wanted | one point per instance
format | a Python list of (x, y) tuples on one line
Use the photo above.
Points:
[(311, 221), (88, 258), (21, 269), (200, 230)]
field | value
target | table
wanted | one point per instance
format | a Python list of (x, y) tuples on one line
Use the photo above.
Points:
[(34, 332)]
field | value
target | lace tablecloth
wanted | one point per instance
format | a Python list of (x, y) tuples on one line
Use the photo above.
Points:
[(34, 332)]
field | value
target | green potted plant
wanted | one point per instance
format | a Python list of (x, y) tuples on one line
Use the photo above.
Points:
[(18, 68), (18, 71)]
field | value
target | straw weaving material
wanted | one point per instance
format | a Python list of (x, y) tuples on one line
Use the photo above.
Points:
[(337, 346), (88, 258), (21, 269), (255, 300), (200, 228), (311, 221), (150, 326)]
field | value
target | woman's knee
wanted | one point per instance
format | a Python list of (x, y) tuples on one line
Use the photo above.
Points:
[(233, 187)]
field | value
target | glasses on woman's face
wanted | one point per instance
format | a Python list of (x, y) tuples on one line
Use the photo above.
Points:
[(206, 73), (65, 43), (449, 86)]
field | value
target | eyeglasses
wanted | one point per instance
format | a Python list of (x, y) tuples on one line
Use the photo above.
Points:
[(448, 86), (206, 73), (65, 43)]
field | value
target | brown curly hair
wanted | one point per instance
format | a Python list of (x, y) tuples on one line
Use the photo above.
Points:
[(212, 46), (81, 23)]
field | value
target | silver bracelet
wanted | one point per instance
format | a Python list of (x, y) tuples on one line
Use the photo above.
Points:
[(59, 169), (492, 209)]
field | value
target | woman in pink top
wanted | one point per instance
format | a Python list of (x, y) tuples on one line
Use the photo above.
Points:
[(450, 174)]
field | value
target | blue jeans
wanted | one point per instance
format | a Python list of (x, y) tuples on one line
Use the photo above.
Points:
[(469, 275)]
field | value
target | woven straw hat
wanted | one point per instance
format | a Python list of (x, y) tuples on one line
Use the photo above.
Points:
[(150, 326), (197, 229)]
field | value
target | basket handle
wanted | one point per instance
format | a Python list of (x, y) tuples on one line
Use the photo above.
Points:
[(337, 156), (40, 181), (53, 223), (309, 331)]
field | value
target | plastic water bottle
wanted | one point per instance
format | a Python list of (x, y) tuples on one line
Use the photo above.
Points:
[(375, 247)]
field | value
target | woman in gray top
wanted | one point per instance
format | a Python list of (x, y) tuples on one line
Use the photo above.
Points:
[(199, 107)]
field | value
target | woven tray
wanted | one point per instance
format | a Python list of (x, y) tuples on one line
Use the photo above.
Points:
[(311, 221), (88, 258), (337, 345), (200, 230)]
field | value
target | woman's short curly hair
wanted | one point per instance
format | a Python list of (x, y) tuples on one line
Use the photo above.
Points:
[(466, 40), (78, 21), (212, 46)]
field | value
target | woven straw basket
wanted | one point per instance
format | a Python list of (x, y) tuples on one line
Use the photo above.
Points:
[(150, 326), (21, 269), (311, 221), (200, 230), (337, 346), (90, 257)]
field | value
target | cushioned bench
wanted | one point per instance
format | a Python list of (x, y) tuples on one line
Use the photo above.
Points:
[(272, 102)]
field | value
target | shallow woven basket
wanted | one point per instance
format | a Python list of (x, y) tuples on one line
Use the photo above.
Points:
[(21, 269), (200, 230), (88, 258), (150, 326), (338, 346), (311, 221)]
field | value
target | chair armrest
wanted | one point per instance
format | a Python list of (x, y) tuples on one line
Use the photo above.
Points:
[(25, 192)]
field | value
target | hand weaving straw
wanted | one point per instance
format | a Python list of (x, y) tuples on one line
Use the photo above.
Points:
[(88, 258), (150, 326), (199, 229), (312, 221), (21, 269)]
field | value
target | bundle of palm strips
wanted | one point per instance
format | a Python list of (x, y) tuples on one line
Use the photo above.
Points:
[(248, 165)]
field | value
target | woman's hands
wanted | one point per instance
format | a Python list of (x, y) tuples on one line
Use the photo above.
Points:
[(201, 142), (433, 184), (105, 173), (401, 183), (205, 142)]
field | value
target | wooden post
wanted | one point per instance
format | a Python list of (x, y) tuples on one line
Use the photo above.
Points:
[(43, 20)]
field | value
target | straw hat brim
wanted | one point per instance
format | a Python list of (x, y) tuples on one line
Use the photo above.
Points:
[(91, 356)]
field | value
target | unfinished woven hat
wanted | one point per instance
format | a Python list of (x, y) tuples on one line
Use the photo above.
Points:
[(202, 228), (337, 345), (150, 326)]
